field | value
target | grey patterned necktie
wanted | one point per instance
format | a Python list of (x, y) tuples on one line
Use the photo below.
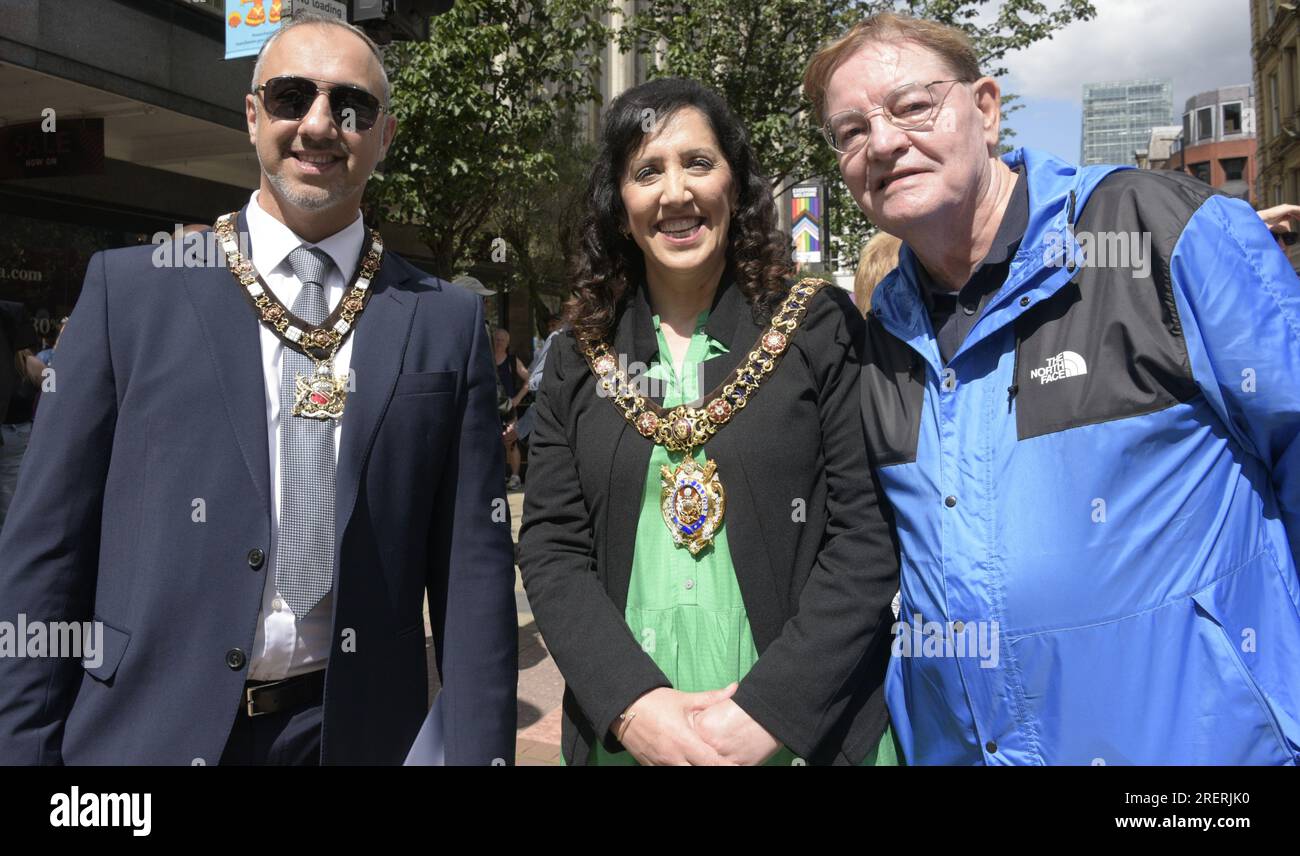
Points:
[(304, 559)]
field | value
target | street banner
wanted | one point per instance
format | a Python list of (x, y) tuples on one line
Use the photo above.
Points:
[(807, 202)]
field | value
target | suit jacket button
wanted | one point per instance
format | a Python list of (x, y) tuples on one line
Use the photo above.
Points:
[(236, 659), (255, 559)]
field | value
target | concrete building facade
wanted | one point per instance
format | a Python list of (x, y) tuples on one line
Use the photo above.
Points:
[(1217, 141), (1159, 147)]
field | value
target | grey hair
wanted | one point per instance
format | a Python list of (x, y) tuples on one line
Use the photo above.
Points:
[(299, 20)]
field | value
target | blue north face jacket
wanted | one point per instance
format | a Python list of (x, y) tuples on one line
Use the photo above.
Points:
[(1097, 497)]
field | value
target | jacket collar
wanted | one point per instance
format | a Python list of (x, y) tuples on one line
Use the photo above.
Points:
[(731, 321), (1058, 191), (275, 241), (634, 333)]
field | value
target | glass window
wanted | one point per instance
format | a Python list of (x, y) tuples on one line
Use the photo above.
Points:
[(1234, 169), (1288, 73), (43, 262), (1200, 171), (1187, 127), (1232, 118), (1204, 124)]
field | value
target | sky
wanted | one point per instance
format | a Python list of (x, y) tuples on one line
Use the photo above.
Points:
[(1198, 44)]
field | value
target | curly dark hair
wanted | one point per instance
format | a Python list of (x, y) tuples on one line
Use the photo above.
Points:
[(607, 263)]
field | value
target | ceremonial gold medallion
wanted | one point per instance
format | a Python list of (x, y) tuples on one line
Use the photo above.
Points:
[(321, 397), (692, 502)]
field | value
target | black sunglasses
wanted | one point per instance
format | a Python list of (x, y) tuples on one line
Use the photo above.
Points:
[(291, 97)]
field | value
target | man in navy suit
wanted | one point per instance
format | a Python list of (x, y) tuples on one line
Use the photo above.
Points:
[(256, 566)]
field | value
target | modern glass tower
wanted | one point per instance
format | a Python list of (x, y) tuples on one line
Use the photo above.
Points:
[(1118, 117)]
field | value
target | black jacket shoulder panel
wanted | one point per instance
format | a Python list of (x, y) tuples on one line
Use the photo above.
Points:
[(1109, 344), (893, 395)]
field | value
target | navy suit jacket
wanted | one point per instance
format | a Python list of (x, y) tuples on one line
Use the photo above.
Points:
[(159, 412)]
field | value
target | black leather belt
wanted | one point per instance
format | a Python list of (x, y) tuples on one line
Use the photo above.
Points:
[(263, 697)]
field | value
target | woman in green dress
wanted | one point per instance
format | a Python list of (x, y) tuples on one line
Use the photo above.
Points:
[(703, 546)]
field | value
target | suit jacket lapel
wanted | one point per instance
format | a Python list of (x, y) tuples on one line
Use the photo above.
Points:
[(635, 347), (378, 347), (230, 328), (731, 322), (635, 343)]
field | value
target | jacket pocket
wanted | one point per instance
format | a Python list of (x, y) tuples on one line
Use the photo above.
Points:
[(425, 383), (109, 651), (1252, 621)]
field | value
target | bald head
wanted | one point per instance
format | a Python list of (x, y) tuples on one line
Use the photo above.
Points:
[(340, 32)]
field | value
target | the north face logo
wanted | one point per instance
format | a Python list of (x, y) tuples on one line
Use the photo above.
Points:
[(1064, 364)]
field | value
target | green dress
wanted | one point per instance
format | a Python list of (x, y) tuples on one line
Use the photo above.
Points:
[(687, 611)]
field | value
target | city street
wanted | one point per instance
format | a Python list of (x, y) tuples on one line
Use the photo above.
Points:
[(540, 684)]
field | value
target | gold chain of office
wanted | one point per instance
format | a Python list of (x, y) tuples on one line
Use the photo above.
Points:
[(323, 395), (683, 428)]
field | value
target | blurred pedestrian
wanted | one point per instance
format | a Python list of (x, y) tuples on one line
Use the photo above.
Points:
[(524, 426), (1282, 221), (46, 355), (514, 381)]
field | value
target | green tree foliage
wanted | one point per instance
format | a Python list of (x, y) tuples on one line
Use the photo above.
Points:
[(477, 105), (538, 221)]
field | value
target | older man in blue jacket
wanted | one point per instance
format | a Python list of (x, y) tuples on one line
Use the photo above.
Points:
[(1081, 392), (251, 470)]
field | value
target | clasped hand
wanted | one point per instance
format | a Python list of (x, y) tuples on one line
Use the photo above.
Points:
[(697, 729)]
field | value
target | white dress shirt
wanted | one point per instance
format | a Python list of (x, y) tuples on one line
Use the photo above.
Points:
[(285, 647)]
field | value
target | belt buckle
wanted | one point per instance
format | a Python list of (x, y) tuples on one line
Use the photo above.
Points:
[(250, 702)]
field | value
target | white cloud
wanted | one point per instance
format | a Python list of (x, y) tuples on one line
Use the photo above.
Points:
[(1199, 44)]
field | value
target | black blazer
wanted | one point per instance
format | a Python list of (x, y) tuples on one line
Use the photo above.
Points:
[(817, 585)]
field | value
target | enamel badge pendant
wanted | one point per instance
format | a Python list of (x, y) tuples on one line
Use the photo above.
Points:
[(692, 502), (322, 397)]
